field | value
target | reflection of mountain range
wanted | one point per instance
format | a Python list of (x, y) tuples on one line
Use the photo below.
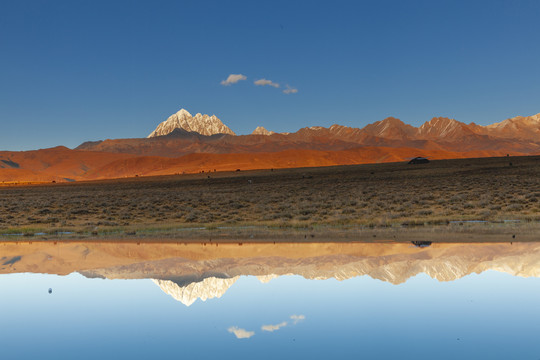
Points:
[(191, 271), (185, 143)]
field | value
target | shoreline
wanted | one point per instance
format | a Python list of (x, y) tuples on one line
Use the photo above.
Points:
[(460, 232)]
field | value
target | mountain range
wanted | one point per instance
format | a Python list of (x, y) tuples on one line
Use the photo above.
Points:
[(188, 144)]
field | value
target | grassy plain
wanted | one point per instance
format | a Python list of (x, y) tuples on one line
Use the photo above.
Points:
[(338, 200)]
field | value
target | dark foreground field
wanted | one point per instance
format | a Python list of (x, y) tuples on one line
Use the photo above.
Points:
[(433, 198)]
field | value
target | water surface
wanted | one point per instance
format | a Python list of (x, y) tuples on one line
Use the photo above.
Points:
[(267, 301)]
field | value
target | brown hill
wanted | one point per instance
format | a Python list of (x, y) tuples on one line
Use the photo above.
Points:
[(62, 164), (58, 164), (194, 163), (391, 128), (9, 176)]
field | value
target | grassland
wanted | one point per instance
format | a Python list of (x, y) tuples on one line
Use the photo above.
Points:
[(380, 196)]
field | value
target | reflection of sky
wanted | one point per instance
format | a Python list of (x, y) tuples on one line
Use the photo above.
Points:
[(493, 315)]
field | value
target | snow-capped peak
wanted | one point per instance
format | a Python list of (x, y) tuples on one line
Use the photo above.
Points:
[(261, 131), (203, 124), (183, 113)]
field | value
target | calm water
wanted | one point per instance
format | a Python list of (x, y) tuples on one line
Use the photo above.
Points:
[(387, 303)]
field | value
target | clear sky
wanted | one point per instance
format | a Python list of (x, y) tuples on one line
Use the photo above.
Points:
[(72, 71)]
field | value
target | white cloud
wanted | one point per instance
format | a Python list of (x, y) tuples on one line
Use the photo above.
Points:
[(290, 90), (240, 333), (273, 327), (233, 79), (297, 318), (264, 82)]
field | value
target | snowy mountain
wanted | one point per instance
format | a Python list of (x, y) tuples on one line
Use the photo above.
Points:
[(261, 131), (202, 124)]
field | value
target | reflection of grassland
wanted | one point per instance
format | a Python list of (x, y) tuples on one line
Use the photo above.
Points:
[(366, 195)]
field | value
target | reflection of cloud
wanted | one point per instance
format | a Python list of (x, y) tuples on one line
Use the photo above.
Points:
[(294, 318), (233, 79), (240, 333), (273, 327), (264, 82), (289, 90), (297, 318)]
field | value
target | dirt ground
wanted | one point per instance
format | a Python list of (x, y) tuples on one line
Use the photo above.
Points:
[(488, 193)]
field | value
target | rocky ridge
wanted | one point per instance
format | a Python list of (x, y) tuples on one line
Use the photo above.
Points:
[(437, 129)]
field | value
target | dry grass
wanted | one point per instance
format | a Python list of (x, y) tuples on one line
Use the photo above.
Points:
[(371, 195)]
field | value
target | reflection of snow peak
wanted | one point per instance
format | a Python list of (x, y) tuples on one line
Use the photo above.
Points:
[(208, 288), (266, 278)]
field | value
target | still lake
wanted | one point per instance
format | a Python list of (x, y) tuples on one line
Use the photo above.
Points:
[(266, 301)]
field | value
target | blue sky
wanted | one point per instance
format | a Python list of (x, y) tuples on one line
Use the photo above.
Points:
[(72, 71)]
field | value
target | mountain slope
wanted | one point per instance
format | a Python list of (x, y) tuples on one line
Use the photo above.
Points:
[(391, 128), (194, 163), (58, 164), (443, 128), (519, 127)]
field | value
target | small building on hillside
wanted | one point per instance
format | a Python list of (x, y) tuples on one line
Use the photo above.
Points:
[(419, 160)]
